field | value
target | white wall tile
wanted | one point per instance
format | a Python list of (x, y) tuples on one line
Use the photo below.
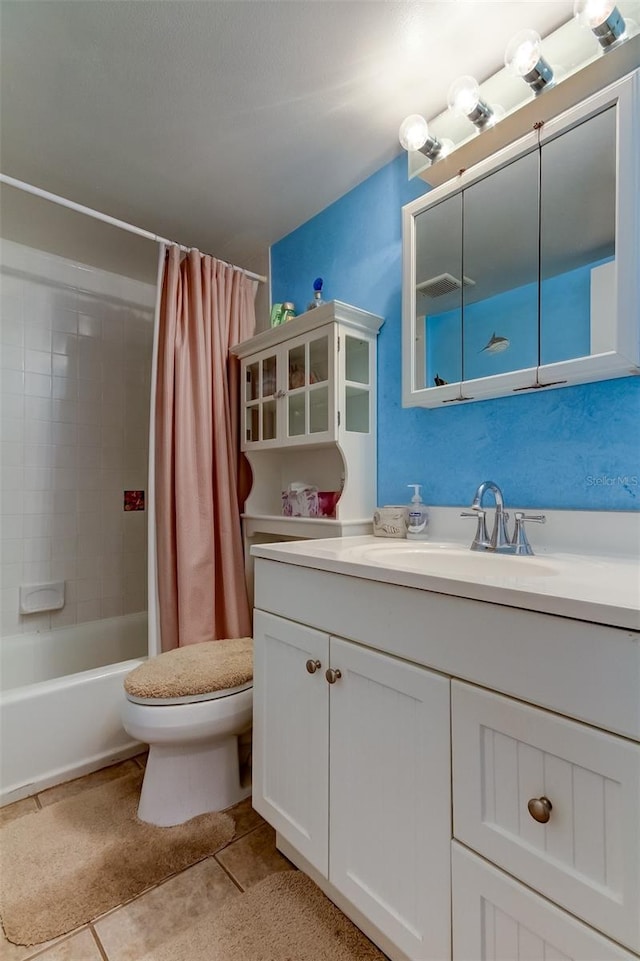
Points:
[(37, 478), (12, 427), (111, 607), (37, 549), (37, 408), (37, 525), (12, 575), (65, 321), (63, 618), (11, 555), (12, 382), (89, 611), (11, 358), (37, 361), (74, 430), (12, 454), (37, 502), (11, 526), (37, 337), (11, 331), (38, 455), (37, 385), (64, 502)]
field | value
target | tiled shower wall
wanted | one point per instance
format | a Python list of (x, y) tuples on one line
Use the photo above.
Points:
[(75, 358)]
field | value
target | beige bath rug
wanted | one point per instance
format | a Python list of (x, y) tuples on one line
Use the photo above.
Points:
[(72, 861), (283, 918)]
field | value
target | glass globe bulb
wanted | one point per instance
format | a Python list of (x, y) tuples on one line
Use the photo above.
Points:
[(592, 13), (523, 52), (414, 132), (463, 96)]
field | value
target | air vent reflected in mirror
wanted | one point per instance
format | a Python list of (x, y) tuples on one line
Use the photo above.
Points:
[(442, 284)]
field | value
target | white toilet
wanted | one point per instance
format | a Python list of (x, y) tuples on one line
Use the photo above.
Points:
[(190, 706)]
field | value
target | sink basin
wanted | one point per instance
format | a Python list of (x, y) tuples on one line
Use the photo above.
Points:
[(451, 561)]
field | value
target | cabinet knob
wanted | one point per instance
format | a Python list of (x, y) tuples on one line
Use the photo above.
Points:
[(540, 809), (313, 666), (333, 675), (280, 393)]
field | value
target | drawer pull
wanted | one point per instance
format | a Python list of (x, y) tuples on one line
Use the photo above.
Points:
[(333, 676), (540, 809), (313, 666)]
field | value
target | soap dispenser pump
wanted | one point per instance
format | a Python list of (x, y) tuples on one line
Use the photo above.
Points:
[(417, 528)]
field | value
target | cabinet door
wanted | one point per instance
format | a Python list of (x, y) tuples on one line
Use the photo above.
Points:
[(390, 797), (497, 919), (260, 380), (290, 733), (309, 363)]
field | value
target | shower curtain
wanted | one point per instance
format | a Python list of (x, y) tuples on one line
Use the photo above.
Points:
[(206, 307)]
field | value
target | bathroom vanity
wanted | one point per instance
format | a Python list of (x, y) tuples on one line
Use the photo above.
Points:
[(449, 743)]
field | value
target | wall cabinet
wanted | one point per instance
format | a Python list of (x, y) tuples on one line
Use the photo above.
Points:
[(354, 775), (522, 272), (308, 414), (343, 768)]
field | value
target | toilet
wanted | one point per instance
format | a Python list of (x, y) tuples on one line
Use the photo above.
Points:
[(191, 705)]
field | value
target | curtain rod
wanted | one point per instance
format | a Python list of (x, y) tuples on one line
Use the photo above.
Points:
[(105, 218)]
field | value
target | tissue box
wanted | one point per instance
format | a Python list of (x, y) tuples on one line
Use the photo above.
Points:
[(300, 502)]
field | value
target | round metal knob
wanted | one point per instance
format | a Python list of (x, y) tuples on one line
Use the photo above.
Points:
[(540, 809), (313, 666), (333, 676)]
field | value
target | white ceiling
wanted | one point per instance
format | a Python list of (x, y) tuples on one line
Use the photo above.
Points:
[(224, 124)]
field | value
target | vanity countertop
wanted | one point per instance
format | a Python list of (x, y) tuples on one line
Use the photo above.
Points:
[(589, 587)]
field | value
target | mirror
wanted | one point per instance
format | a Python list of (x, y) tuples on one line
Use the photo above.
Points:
[(513, 282), (577, 239)]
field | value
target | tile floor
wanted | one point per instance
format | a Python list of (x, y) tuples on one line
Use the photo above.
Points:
[(127, 932)]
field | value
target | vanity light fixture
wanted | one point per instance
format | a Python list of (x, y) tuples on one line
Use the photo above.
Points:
[(523, 58), (414, 135), (603, 19), (464, 100)]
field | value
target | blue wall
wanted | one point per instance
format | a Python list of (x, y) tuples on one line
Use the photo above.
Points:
[(571, 448)]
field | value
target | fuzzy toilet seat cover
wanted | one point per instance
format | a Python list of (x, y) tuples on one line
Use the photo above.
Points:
[(194, 669)]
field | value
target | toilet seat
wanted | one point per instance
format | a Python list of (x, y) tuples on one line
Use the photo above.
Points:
[(198, 672), (188, 698)]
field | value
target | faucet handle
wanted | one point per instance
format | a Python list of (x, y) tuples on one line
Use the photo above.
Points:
[(481, 538), (520, 539)]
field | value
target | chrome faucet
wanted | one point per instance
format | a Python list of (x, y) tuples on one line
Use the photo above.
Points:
[(499, 542)]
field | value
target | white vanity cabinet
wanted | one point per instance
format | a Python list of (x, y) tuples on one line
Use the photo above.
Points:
[(354, 774), (352, 768)]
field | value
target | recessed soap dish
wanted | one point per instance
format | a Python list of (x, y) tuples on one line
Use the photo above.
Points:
[(36, 598)]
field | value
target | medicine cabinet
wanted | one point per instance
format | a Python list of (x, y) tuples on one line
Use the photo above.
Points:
[(522, 273)]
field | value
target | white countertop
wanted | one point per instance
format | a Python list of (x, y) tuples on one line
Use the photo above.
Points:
[(602, 589)]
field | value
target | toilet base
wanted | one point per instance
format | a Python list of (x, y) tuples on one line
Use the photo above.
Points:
[(181, 782)]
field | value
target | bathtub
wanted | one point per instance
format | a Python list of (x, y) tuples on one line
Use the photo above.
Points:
[(60, 702)]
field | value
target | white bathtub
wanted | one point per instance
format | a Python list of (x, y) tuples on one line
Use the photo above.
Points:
[(60, 702)]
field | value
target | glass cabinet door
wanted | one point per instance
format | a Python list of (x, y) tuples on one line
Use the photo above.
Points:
[(357, 369), (261, 385), (308, 387)]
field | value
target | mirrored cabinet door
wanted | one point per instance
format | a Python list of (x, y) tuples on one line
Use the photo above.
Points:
[(578, 240), (438, 294), (500, 257)]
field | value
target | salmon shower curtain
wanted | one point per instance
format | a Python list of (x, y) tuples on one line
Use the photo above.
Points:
[(206, 308)]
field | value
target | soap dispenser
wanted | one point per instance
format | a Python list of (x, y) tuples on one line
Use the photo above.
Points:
[(417, 528)]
